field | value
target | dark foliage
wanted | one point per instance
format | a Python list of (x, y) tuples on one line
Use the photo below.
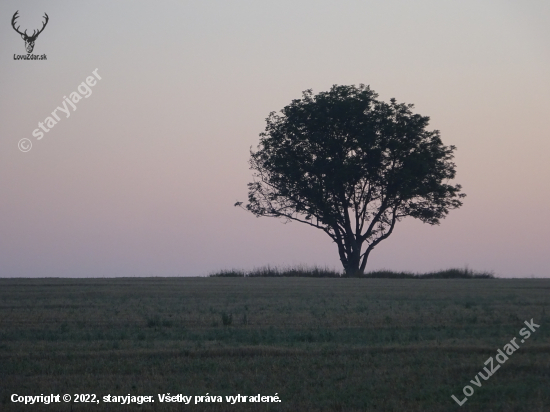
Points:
[(350, 165)]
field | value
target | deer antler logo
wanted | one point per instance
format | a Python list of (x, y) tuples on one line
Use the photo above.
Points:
[(29, 40)]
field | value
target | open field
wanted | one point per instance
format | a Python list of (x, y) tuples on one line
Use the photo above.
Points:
[(321, 344)]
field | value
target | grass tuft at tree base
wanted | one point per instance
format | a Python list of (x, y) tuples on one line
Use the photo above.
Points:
[(319, 272)]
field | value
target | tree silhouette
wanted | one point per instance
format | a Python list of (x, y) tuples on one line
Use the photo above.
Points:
[(350, 165)]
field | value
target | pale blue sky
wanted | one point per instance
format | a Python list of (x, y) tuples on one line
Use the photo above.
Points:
[(141, 179)]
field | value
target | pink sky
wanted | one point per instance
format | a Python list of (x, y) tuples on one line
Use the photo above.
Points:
[(141, 179)]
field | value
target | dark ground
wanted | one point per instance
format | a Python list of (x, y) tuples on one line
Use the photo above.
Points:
[(321, 344)]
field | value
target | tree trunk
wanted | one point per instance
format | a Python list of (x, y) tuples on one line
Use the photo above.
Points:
[(353, 271), (352, 265)]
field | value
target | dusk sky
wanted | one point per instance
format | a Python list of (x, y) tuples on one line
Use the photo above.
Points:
[(140, 179)]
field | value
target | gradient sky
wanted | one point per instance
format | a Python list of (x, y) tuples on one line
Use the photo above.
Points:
[(141, 179)]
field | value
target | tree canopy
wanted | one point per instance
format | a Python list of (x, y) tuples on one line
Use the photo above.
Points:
[(351, 165)]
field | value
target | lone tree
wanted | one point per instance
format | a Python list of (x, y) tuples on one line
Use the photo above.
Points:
[(350, 165)]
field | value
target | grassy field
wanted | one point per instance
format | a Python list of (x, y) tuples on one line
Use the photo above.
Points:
[(321, 344)]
